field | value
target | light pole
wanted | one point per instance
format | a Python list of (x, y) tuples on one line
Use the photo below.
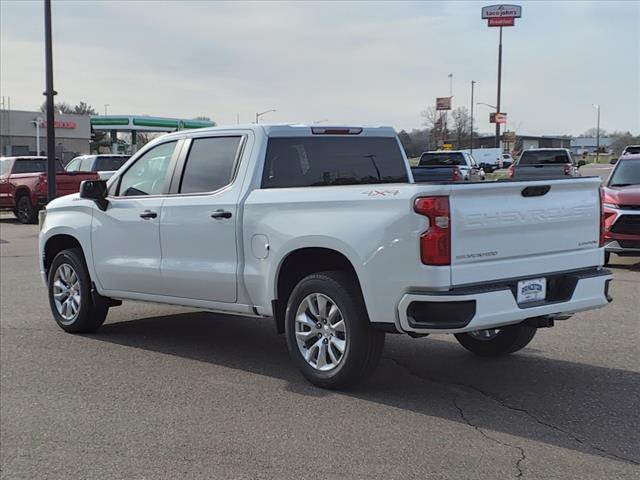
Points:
[(488, 105), (258, 115), (50, 92), (473, 83), (105, 107), (499, 85), (37, 122), (597, 107)]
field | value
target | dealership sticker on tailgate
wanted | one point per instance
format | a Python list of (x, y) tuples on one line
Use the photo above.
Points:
[(532, 290)]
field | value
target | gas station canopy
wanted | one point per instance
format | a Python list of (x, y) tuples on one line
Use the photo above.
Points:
[(131, 123)]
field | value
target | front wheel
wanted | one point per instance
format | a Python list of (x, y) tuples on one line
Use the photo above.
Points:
[(497, 341), (328, 333), (70, 298)]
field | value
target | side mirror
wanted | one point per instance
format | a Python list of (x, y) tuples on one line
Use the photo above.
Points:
[(581, 163), (95, 190), (613, 161)]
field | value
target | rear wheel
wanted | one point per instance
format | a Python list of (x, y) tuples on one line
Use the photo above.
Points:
[(497, 341), (25, 211), (70, 294), (328, 333)]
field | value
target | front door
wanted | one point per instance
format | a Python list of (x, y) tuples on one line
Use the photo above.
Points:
[(198, 226), (126, 236)]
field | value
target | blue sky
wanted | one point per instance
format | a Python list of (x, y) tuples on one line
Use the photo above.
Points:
[(348, 62)]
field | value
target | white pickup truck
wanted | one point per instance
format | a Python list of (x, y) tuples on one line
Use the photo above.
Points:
[(323, 229)]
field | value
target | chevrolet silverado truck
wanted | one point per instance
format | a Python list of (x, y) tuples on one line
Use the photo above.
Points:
[(324, 230), (23, 185), (541, 163)]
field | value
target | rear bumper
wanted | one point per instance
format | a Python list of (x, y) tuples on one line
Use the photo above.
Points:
[(632, 247), (494, 305)]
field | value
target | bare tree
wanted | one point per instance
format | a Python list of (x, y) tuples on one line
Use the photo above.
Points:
[(461, 125), (593, 132), (434, 123)]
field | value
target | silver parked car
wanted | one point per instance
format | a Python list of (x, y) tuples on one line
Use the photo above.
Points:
[(105, 165)]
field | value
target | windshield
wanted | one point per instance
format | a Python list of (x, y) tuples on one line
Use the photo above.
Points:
[(442, 159), (544, 157), (34, 165), (5, 166), (627, 172)]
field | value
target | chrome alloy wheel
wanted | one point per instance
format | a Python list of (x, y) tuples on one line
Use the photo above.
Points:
[(321, 333), (485, 335), (66, 293)]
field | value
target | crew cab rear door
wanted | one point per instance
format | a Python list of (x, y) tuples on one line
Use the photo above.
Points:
[(515, 229), (199, 219)]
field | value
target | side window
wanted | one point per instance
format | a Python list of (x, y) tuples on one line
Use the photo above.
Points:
[(149, 174), (210, 164), (73, 165), (86, 164)]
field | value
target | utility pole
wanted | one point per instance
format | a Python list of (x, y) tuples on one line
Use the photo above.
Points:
[(499, 86), (597, 107), (105, 107), (473, 83), (51, 139)]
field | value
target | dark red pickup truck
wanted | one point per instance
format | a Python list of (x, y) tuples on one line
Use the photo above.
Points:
[(23, 185)]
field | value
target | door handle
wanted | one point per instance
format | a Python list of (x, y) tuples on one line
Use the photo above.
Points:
[(221, 214), (148, 214)]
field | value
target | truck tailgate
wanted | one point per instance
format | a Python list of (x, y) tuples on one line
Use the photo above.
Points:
[(517, 229), (535, 172)]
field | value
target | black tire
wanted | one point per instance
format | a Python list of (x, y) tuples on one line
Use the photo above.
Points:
[(25, 211), (364, 344), (89, 316), (508, 340), (607, 258)]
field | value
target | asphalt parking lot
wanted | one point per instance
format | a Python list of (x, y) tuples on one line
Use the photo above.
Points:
[(163, 392)]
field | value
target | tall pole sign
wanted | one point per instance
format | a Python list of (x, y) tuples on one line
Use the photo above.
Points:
[(500, 16)]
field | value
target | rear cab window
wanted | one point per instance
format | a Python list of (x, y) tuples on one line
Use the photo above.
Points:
[(107, 164), (34, 165), (333, 160), (551, 157), (443, 159)]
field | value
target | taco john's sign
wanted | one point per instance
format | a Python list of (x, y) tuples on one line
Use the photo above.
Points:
[(60, 124), (501, 15)]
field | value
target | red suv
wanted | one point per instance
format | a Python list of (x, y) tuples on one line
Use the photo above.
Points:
[(622, 208)]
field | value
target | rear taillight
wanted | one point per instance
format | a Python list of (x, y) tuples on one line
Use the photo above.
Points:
[(456, 174), (41, 183), (602, 217), (435, 243), (567, 170), (511, 171)]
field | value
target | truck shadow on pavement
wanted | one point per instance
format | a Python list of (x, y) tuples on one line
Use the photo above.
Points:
[(581, 407)]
